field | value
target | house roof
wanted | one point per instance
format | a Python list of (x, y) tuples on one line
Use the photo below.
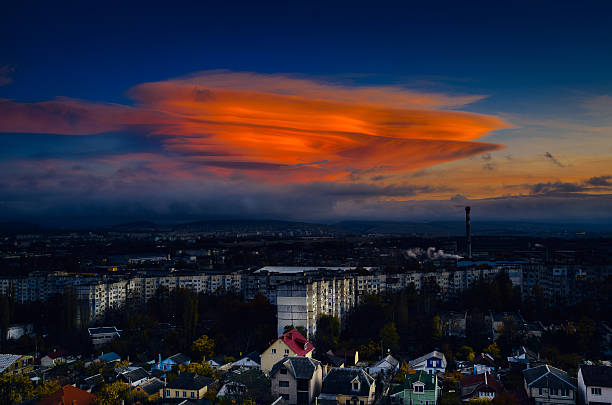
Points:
[(338, 381), (152, 386), (189, 381), (94, 380), (179, 358), (110, 357), (330, 358), (478, 382), (57, 354), (7, 359), (301, 367), (296, 342), (485, 359), (104, 330), (421, 359), (546, 376), (68, 395), (597, 375), (429, 380), (387, 359), (135, 374)]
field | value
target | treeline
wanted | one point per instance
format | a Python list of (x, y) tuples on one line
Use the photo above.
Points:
[(172, 320)]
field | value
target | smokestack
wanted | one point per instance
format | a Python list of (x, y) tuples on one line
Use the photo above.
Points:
[(468, 232)]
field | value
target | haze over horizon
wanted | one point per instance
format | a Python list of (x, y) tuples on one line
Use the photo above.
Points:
[(306, 112)]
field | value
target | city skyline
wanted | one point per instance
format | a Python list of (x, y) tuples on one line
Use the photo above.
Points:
[(315, 113)]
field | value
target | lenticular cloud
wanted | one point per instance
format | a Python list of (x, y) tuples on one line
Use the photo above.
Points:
[(274, 128)]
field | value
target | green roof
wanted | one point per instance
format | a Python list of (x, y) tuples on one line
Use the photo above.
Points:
[(428, 379)]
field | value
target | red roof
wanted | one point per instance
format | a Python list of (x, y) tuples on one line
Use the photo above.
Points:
[(479, 382), (57, 354), (68, 395), (296, 342)]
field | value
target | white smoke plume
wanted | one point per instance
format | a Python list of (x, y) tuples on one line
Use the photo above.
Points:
[(431, 254)]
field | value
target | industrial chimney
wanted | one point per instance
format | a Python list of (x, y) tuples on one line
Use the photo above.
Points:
[(468, 232)]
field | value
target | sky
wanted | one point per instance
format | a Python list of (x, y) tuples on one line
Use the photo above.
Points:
[(112, 112)]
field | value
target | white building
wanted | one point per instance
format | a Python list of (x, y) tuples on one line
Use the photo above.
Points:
[(595, 385)]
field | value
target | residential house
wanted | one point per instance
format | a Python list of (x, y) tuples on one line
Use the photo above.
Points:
[(251, 360), (431, 362), (595, 385), (479, 386), (103, 335), (454, 323), (174, 360), (419, 388), (289, 344), (54, 358), (218, 362), (330, 360), (110, 357), (549, 385), (350, 357), (16, 364), (497, 321), (297, 379), (134, 377), (188, 386), (484, 363), (347, 386), (523, 358), (68, 395), (386, 365), (233, 391), (92, 383), (149, 389)]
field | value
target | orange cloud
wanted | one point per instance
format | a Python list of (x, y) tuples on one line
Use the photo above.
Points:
[(276, 128)]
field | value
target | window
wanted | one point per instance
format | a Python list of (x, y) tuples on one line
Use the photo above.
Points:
[(285, 397), (565, 392), (273, 351), (418, 388), (167, 393), (596, 391), (283, 370), (355, 386), (286, 351), (176, 394), (192, 394), (348, 402), (360, 402), (539, 391), (283, 383), (184, 394)]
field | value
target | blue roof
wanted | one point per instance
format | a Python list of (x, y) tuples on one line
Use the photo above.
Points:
[(110, 357)]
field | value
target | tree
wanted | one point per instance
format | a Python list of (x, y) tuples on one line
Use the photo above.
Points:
[(328, 332), (389, 336), (204, 346), (465, 353), (15, 388), (493, 350), (300, 329), (436, 327), (48, 388), (112, 394), (199, 368)]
